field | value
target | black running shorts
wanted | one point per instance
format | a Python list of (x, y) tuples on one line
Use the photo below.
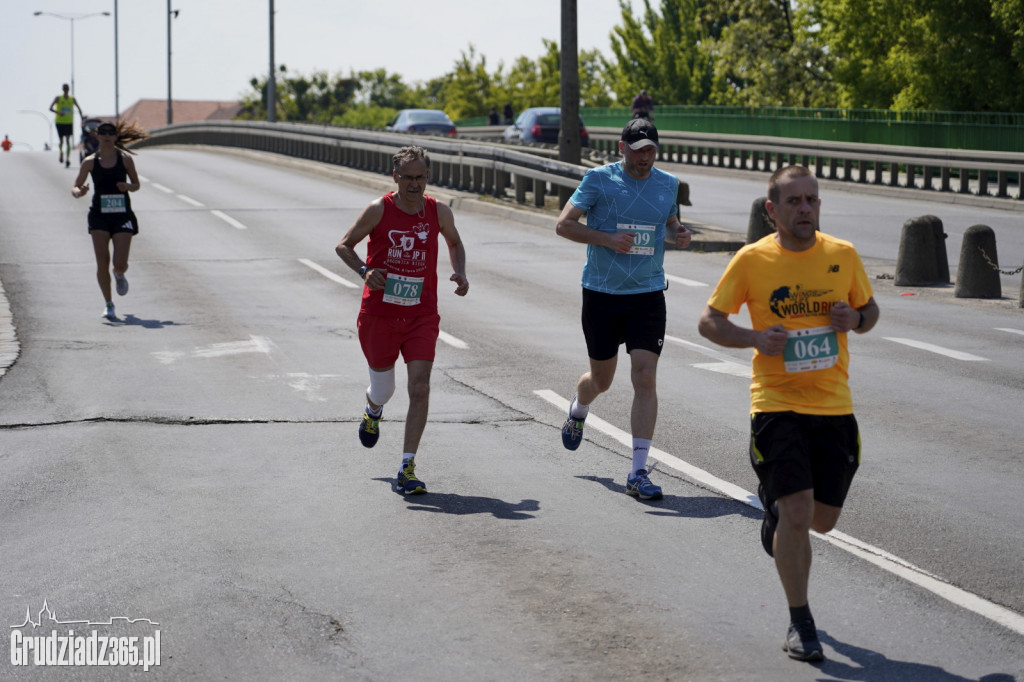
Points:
[(609, 320), (791, 452)]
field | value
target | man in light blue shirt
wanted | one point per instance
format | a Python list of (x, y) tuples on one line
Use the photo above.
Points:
[(631, 210)]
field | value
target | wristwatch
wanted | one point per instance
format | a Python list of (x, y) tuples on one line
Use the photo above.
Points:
[(362, 271)]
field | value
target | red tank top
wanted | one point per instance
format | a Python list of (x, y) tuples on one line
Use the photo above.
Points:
[(405, 245)]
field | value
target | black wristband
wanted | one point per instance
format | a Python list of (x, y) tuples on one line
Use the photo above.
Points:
[(861, 323), (362, 275)]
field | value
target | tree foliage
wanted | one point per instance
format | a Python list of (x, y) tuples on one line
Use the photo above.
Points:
[(960, 55)]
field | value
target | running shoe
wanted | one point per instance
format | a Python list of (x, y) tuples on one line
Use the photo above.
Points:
[(67, 164), (770, 522), (109, 313), (640, 486), (61, 159), (369, 429), (802, 642), (122, 284), (407, 482), (572, 430)]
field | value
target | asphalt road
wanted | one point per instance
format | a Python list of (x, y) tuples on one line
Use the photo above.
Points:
[(195, 465)]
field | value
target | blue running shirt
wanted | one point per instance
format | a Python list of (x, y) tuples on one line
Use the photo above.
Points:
[(615, 202)]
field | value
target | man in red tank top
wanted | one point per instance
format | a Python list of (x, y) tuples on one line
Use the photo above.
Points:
[(398, 314)]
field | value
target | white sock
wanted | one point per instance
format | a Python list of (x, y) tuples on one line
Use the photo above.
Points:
[(577, 410), (641, 446), (406, 456), (369, 411)]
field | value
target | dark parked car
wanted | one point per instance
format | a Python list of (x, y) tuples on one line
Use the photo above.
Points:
[(541, 124), (425, 121)]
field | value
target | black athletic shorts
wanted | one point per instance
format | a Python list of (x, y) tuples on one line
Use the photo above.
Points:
[(609, 320), (65, 130), (791, 452)]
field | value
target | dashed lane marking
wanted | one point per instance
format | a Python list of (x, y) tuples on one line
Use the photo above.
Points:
[(228, 219), (190, 200), (328, 274), (948, 352), (726, 363), (685, 282)]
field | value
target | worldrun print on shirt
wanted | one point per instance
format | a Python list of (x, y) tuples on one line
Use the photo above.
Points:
[(616, 202)]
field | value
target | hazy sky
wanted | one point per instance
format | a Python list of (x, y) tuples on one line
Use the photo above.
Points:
[(219, 45)]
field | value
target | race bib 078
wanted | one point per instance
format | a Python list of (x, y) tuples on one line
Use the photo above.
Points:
[(402, 290)]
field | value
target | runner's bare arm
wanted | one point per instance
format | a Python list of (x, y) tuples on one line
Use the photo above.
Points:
[(81, 187), (364, 225), (716, 326), (570, 227), (133, 176), (456, 250)]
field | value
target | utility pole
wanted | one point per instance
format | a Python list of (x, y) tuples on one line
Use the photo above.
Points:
[(271, 83), (569, 133)]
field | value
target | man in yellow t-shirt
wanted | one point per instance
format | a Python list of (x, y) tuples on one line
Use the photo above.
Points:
[(63, 106), (804, 291)]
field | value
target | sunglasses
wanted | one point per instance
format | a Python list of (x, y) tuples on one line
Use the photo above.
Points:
[(106, 131)]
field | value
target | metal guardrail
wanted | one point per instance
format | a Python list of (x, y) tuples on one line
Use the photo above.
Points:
[(468, 165), (981, 173), (476, 163)]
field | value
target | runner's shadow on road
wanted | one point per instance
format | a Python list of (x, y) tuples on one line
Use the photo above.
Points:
[(131, 320), (449, 503), (871, 665), (685, 507), (148, 324)]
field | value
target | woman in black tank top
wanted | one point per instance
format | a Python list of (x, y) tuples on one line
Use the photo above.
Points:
[(111, 219)]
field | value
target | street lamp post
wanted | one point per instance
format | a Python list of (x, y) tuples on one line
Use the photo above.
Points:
[(71, 18), (170, 14)]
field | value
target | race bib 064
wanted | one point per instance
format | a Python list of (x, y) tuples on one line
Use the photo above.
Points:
[(808, 350)]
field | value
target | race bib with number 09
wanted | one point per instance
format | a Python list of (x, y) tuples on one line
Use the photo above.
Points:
[(643, 238)]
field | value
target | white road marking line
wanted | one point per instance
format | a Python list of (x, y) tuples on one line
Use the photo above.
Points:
[(162, 188), (143, 178), (1012, 331), (328, 274), (190, 200), (921, 345), (879, 557), (726, 363), (731, 368), (685, 282), (255, 344), (452, 341), (228, 219)]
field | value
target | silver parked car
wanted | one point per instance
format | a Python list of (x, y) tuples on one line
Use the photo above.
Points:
[(423, 121)]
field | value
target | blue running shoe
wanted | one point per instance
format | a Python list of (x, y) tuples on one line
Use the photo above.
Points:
[(572, 430), (770, 522), (369, 429), (640, 486), (407, 482)]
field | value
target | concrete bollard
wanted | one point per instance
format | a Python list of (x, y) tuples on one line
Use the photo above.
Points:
[(1021, 301), (977, 275), (922, 260), (760, 224)]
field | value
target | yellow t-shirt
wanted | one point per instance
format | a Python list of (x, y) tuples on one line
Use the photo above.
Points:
[(65, 109), (797, 289)]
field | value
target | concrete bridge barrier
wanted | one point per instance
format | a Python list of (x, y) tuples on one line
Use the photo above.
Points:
[(978, 273), (922, 259)]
